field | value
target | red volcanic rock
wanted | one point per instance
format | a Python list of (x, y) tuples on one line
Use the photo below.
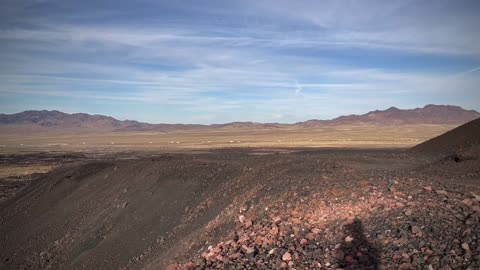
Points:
[(241, 218), (428, 188), (173, 266), (287, 256)]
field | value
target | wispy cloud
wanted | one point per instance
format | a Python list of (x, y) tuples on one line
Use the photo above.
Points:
[(236, 60)]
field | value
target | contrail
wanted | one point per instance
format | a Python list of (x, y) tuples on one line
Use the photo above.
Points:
[(467, 72), (473, 70)]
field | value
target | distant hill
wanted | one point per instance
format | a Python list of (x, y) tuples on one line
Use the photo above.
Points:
[(461, 139), (430, 114), (60, 120), (55, 120)]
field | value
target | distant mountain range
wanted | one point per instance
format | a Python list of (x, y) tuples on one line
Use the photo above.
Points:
[(430, 114), (55, 120)]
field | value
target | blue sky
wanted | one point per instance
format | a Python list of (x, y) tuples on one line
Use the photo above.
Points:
[(223, 61)]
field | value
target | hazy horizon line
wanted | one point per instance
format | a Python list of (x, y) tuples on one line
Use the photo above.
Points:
[(240, 121)]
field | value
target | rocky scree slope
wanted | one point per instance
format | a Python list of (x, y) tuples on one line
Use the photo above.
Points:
[(238, 211)]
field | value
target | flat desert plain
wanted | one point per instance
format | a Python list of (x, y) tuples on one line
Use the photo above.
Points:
[(362, 136)]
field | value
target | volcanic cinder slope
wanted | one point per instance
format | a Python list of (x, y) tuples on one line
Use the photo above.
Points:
[(457, 140), (458, 150), (232, 209)]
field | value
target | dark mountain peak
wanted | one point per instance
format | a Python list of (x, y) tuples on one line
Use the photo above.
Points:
[(389, 110), (428, 106), (392, 109), (442, 107)]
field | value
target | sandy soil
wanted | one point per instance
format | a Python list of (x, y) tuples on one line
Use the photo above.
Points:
[(363, 136)]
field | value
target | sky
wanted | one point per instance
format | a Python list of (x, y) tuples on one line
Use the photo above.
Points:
[(250, 60)]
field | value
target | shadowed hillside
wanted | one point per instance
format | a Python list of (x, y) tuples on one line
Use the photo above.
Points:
[(458, 139), (458, 151)]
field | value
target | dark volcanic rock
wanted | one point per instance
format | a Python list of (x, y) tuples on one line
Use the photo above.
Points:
[(305, 210)]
